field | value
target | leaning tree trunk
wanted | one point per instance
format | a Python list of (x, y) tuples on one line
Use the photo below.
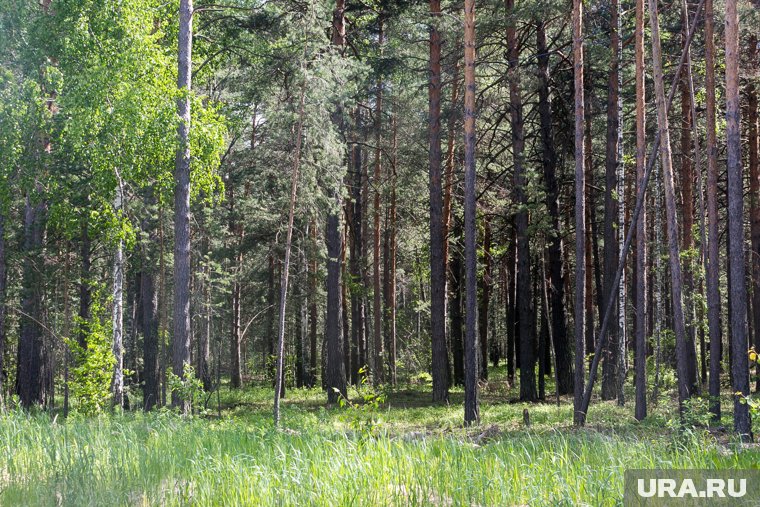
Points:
[(181, 338), (738, 306), (286, 263), (471, 409), (579, 416), (674, 258)]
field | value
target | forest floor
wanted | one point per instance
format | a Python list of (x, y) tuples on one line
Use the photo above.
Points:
[(404, 451)]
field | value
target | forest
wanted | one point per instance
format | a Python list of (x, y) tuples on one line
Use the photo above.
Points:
[(375, 252)]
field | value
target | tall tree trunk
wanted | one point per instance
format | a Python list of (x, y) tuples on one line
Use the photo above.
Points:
[(684, 391), (641, 227), (312, 376), (437, 240), (149, 298), (613, 160), (485, 297), (286, 263), (455, 309), (236, 231), (117, 384), (525, 301), (687, 207), (3, 289), (377, 309), (448, 187), (560, 338), (579, 416), (30, 368), (471, 408), (334, 379), (390, 327), (754, 193), (357, 299), (85, 288), (511, 304), (738, 307), (181, 314), (346, 311), (713, 234)]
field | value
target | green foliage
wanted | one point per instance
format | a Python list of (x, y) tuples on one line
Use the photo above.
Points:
[(188, 387), (90, 381), (363, 416)]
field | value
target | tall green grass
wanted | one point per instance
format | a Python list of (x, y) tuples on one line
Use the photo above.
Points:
[(418, 455)]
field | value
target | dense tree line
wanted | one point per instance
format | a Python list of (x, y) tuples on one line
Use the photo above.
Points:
[(332, 192)]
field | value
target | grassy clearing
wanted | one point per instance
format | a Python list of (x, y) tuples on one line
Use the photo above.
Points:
[(418, 454)]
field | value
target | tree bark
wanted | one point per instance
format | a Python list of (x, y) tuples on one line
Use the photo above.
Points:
[(511, 320), (613, 160), (3, 289), (149, 297), (754, 193), (312, 376), (357, 299), (641, 227), (579, 415), (687, 207), (455, 309), (560, 338), (334, 379), (525, 301), (738, 306), (377, 310), (437, 239), (471, 409), (713, 234), (85, 290), (682, 358), (286, 263), (117, 384), (30, 368), (390, 327), (485, 297), (236, 231), (181, 338)]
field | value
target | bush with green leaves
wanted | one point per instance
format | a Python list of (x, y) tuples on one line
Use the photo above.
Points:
[(90, 380), (363, 417), (187, 387)]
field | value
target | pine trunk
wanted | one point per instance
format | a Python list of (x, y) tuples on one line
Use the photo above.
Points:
[(579, 416), (738, 306), (471, 408), (181, 314), (641, 227)]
